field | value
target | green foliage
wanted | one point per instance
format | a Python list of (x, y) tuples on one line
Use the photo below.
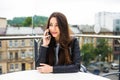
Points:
[(87, 52), (102, 48), (38, 21), (17, 21), (27, 22)]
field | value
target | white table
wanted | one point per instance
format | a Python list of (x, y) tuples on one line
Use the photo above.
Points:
[(35, 75)]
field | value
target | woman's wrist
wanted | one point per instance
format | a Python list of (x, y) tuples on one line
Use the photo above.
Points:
[(51, 69)]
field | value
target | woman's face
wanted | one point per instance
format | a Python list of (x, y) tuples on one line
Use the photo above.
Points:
[(53, 28)]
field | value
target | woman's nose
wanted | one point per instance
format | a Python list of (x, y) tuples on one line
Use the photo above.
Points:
[(53, 27)]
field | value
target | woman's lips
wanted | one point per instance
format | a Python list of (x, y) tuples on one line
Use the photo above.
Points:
[(54, 32)]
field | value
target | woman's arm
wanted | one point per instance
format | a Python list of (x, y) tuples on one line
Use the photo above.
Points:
[(42, 55), (43, 48), (75, 66)]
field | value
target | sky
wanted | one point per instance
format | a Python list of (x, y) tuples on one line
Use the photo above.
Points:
[(77, 11)]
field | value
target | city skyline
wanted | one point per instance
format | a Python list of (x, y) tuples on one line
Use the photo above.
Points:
[(76, 11)]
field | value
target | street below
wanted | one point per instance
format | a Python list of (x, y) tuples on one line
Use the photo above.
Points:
[(112, 77)]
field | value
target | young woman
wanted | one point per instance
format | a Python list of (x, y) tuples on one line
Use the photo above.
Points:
[(58, 52)]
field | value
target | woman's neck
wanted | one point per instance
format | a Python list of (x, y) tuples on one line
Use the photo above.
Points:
[(57, 39)]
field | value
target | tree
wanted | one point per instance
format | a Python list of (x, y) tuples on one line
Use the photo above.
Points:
[(38, 21), (87, 53), (27, 22), (16, 22), (102, 48)]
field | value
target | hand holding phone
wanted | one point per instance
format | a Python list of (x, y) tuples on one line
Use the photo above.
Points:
[(48, 35), (46, 38)]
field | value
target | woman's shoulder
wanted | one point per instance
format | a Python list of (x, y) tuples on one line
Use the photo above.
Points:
[(73, 40)]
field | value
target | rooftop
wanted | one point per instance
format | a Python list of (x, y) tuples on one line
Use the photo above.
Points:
[(2, 31), (23, 30)]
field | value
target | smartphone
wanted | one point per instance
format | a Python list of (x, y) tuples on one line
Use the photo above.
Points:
[(48, 34)]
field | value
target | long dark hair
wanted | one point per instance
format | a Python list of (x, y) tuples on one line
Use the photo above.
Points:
[(64, 41)]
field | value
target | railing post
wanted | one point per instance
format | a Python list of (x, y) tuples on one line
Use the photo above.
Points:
[(119, 63), (35, 50)]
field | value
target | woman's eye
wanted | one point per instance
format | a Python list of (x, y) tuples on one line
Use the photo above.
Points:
[(56, 25)]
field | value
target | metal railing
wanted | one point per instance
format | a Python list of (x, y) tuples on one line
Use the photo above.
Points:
[(40, 36), (76, 35), (112, 73)]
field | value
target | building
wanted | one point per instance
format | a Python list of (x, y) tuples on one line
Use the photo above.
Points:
[(75, 29), (116, 26), (111, 21), (19, 31), (106, 19), (116, 31), (3, 25), (3, 55), (89, 30), (18, 55), (3, 22), (3, 46)]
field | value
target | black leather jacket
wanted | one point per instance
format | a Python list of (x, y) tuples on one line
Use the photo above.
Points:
[(75, 54)]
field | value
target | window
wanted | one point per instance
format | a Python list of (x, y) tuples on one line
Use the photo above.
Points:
[(16, 55), (23, 43), (117, 48), (31, 42), (10, 43), (11, 55), (118, 21), (16, 43), (116, 56), (11, 66), (117, 29), (30, 54), (116, 41), (16, 66), (23, 55)]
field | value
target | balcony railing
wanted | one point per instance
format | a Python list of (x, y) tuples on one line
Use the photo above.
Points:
[(37, 37), (40, 36)]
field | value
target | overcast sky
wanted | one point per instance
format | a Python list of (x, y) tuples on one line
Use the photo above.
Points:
[(76, 11)]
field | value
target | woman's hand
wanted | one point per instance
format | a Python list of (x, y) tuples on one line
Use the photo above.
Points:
[(45, 68), (46, 38)]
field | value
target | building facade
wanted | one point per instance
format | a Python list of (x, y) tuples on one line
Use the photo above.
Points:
[(89, 30), (116, 49), (3, 47), (110, 21), (18, 54), (106, 19), (3, 22), (3, 57), (21, 52)]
